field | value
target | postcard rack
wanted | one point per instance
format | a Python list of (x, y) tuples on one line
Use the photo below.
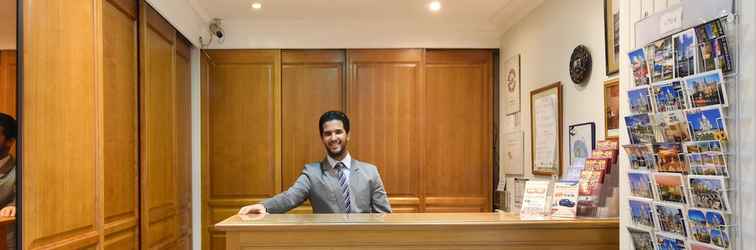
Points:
[(705, 197)]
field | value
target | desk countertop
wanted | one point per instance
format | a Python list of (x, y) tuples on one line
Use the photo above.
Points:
[(414, 220)]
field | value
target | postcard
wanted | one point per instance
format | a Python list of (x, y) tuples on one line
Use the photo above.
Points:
[(669, 242), (642, 213), (641, 239), (706, 89), (708, 192), (640, 185), (713, 50), (671, 219), (668, 96), (704, 147), (673, 127), (707, 124), (699, 230), (662, 59), (685, 53), (640, 67), (707, 164), (640, 100), (702, 246), (670, 187), (669, 157), (640, 129), (641, 156)]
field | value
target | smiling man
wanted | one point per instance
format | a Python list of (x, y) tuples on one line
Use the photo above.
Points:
[(337, 184)]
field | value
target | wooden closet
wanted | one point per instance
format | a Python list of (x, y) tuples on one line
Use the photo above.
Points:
[(424, 117), (8, 82), (106, 155)]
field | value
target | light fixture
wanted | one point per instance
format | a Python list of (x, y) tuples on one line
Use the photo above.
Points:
[(256, 5), (434, 6)]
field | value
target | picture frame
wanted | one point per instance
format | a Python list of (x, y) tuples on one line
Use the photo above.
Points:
[(582, 138), (611, 36), (611, 109), (546, 130), (511, 85)]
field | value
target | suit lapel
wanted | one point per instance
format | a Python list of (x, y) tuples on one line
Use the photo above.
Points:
[(329, 182)]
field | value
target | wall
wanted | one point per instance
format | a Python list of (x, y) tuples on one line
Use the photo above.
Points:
[(545, 40), (8, 24)]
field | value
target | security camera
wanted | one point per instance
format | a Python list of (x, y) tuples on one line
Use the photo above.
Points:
[(216, 28)]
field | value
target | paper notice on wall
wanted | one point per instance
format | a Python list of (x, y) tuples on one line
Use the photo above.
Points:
[(511, 122), (511, 153)]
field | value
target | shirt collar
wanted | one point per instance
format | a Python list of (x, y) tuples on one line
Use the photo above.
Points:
[(347, 161)]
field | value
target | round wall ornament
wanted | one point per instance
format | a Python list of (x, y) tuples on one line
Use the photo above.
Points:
[(580, 64)]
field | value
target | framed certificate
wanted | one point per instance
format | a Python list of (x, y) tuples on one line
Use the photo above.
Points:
[(546, 129)]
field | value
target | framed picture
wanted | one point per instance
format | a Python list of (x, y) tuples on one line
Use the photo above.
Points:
[(582, 140), (546, 129), (511, 88), (611, 35), (611, 108)]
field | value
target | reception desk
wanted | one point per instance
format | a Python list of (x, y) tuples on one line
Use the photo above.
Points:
[(416, 231)]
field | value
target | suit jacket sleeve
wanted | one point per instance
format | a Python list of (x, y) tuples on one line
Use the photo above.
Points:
[(292, 198), (380, 203)]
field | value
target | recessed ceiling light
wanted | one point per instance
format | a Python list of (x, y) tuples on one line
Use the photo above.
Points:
[(434, 6), (256, 5)]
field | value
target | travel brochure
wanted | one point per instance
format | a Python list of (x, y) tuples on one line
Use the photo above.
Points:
[(535, 200)]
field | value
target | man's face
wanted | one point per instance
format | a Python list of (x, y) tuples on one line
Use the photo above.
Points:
[(5, 144), (334, 138)]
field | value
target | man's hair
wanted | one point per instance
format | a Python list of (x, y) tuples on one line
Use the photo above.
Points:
[(8, 126), (333, 115)]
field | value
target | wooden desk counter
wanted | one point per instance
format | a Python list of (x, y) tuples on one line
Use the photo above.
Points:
[(416, 231)]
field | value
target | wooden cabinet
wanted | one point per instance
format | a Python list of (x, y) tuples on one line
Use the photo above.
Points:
[(101, 120), (424, 117)]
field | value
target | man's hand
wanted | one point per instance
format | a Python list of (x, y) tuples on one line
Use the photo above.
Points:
[(9, 211), (253, 209)]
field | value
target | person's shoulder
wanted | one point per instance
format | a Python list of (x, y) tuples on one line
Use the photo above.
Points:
[(366, 165), (312, 167)]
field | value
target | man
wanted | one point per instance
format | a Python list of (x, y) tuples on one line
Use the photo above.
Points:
[(8, 134), (337, 184)]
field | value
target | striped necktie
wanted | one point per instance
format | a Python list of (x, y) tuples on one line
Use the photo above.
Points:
[(344, 184)]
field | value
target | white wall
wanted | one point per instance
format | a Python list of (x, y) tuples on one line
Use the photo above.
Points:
[(7, 24), (545, 40)]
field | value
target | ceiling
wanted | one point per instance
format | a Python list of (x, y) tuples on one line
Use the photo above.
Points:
[(470, 15)]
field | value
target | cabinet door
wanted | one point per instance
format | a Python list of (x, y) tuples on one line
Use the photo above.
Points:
[(120, 121), (458, 157), (183, 121), (158, 144), (384, 99), (244, 128), (60, 125), (312, 83)]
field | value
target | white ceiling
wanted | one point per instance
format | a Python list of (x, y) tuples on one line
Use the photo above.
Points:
[(492, 17)]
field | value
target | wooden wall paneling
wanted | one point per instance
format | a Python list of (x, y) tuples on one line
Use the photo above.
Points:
[(384, 103), (8, 82), (119, 135), (312, 83), (458, 161), (183, 142), (61, 125), (243, 105), (8, 85), (158, 145)]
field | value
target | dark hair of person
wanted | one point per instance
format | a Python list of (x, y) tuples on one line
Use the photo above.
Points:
[(9, 126), (333, 115)]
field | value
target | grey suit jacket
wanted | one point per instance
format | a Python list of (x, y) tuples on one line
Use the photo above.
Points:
[(319, 183)]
